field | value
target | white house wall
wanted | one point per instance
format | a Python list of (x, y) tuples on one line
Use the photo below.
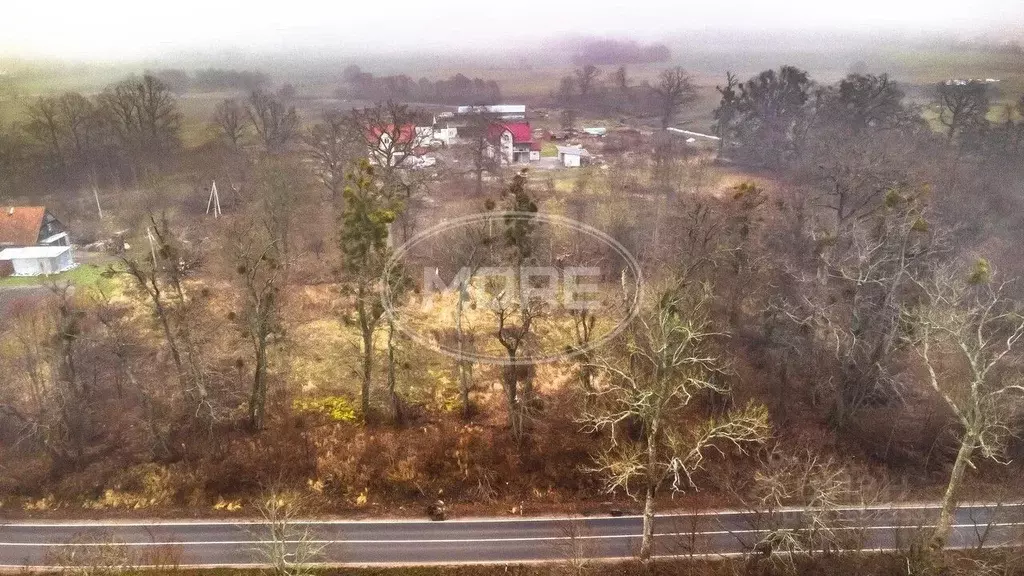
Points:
[(43, 266)]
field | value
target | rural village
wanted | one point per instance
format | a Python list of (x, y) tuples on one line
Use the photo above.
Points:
[(606, 314)]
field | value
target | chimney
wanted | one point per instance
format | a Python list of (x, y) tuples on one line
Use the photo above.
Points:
[(10, 211)]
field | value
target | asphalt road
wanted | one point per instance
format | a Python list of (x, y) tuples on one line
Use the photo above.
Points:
[(227, 543)]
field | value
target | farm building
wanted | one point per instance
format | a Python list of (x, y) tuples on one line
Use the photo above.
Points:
[(30, 226), (573, 156), (502, 111), (33, 242), (39, 260)]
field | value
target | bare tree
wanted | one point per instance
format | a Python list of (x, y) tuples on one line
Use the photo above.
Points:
[(514, 317), (290, 549), (469, 254), (514, 310), (275, 124), (159, 275), (389, 132), (670, 361), (332, 144), (855, 302), (127, 345), (483, 148), (260, 274), (586, 79), (622, 83), (44, 127), (674, 90), (819, 486), (961, 105), (967, 333), (145, 116), (229, 120), (53, 407)]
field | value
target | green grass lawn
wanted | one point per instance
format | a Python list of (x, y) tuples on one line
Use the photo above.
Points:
[(88, 276)]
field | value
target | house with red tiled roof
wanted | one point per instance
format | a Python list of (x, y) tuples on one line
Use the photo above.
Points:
[(512, 142), (22, 226), (33, 242), (389, 145)]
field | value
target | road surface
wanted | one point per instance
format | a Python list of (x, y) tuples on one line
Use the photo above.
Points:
[(708, 534)]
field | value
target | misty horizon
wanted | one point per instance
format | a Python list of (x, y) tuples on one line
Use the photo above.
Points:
[(111, 31)]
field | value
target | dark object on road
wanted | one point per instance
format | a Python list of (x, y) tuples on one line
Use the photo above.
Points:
[(615, 512), (437, 511)]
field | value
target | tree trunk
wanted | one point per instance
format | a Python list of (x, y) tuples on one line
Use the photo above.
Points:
[(172, 344), (510, 383), (464, 366), (465, 384), (396, 401), (258, 401), (367, 333), (647, 543), (950, 499)]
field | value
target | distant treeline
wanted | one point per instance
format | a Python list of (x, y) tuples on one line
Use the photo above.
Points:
[(997, 47), (605, 51), (210, 79), (458, 89)]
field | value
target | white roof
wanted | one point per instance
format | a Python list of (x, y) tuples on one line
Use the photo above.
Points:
[(573, 150), (33, 252), (494, 109), (692, 133)]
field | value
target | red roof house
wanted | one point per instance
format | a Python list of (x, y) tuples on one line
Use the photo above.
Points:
[(30, 226), (33, 242), (405, 133), (513, 140)]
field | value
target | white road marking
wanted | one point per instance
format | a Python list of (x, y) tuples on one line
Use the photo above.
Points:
[(670, 514), (480, 540)]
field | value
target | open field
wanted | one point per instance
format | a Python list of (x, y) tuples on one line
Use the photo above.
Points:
[(918, 69)]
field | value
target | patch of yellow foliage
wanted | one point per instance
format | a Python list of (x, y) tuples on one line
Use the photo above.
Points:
[(227, 505), (46, 503), (337, 408), (157, 489), (363, 497)]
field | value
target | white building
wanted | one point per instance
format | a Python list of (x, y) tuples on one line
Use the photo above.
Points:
[(39, 260), (573, 156), (437, 135), (512, 142), (33, 242), (501, 111)]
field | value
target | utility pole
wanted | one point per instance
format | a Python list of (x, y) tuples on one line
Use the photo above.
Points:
[(95, 192), (214, 201), (152, 247), (96, 195)]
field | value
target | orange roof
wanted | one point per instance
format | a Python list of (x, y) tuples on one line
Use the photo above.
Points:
[(404, 134), (19, 225)]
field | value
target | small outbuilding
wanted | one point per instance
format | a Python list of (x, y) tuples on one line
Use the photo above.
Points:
[(573, 156), (39, 260)]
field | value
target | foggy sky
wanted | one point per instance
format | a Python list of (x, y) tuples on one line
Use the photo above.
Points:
[(125, 29)]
